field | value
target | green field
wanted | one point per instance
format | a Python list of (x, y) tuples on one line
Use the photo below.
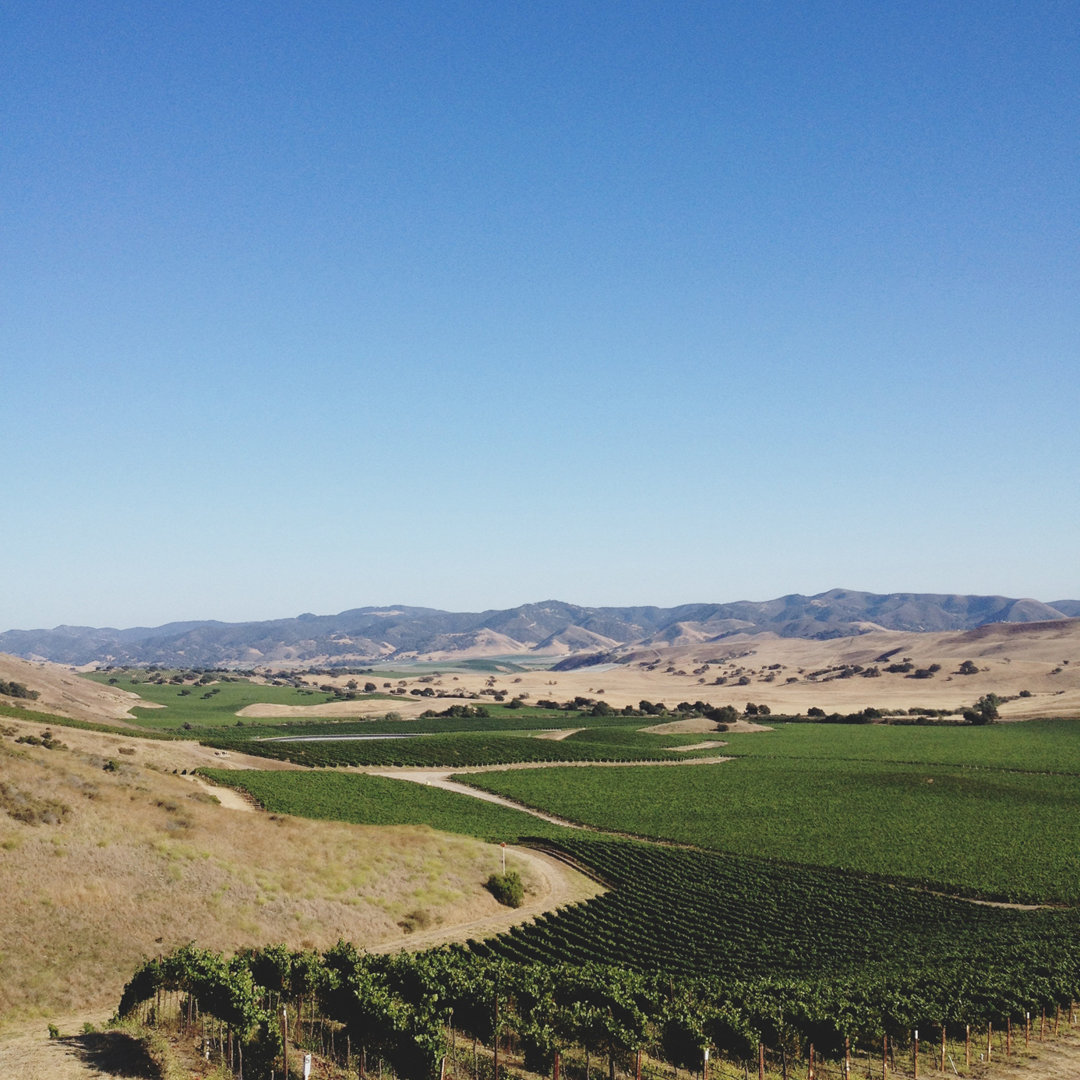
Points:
[(373, 800), (992, 833), (810, 897), (456, 749), (1034, 745), (215, 705), (742, 918)]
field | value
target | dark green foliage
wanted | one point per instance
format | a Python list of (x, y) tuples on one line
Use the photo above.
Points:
[(374, 800), (726, 714), (450, 749), (397, 1008), (507, 888), (985, 710), (997, 834), (17, 690), (697, 913)]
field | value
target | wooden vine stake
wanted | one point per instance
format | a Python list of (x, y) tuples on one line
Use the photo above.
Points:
[(989, 1035), (915, 1053), (285, 1042), (760, 1061), (1008, 1036), (555, 1069), (810, 1064), (942, 1047), (884, 1057), (1042, 1025), (1027, 1030), (967, 1046)]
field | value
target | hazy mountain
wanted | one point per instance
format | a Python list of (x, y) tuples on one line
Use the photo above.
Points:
[(551, 628)]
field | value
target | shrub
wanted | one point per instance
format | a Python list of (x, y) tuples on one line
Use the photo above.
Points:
[(507, 888)]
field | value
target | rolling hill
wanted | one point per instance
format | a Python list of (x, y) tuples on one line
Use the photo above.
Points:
[(550, 629)]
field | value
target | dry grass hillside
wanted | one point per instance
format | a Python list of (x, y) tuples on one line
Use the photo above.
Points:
[(61, 691), (102, 864), (790, 674)]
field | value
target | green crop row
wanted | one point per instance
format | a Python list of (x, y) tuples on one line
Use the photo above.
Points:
[(445, 750), (374, 800), (981, 832), (733, 917), (1051, 745)]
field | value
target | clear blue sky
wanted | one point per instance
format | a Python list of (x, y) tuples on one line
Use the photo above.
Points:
[(308, 306)]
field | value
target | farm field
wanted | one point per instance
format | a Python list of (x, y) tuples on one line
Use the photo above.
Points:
[(376, 800), (992, 833), (172, 706), (1050, 745), (221, 702), (730, 917), (452, 749)]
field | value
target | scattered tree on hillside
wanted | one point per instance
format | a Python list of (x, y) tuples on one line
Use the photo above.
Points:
[(985, 710)]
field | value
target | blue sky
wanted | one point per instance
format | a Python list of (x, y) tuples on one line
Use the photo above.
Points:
[(467, 304)]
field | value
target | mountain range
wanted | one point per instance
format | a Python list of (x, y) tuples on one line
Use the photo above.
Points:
[(549, 629)]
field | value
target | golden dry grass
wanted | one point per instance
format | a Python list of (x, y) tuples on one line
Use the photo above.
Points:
[(145, 861), (62, 691), (1042, 658)]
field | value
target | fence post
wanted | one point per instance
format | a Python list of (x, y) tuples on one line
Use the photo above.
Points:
[(761, 1061), (989, 1034), (943, 1046), (967, 1046), (915, 1054)]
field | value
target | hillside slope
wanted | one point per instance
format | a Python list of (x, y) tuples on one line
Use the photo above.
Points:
[(551, 628)]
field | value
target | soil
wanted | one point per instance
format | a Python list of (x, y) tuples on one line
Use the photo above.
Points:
[(35, 1056)]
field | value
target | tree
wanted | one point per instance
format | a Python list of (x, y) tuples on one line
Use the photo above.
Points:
[(726, 714), (985, 710)]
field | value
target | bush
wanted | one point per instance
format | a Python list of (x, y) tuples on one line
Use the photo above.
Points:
[(507, 888)]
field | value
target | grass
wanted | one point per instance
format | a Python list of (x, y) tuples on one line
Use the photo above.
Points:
[(142, 862), (1051, 745), (52, 720), (737, 917), (375, 800), (206, 706), (456, 749), (993, 833)]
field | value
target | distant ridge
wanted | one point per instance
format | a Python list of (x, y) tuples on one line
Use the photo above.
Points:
[(550, 628)]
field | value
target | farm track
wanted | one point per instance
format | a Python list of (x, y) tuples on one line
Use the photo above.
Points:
[(440, 778), (564, 884)]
